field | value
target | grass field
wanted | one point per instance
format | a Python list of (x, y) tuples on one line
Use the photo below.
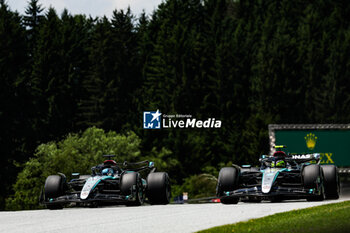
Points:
[(326, 218)]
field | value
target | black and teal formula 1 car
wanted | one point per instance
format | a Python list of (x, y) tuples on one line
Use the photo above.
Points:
[(280, 177), (109, 182)]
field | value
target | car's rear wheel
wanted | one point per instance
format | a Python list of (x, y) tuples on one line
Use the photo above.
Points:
[(331, 181), (227, 181), (131, 184), (158, 188), (313, 179), (54, 187)]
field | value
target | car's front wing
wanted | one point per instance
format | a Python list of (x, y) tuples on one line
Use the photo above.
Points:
[(285, 192), (74, 198)]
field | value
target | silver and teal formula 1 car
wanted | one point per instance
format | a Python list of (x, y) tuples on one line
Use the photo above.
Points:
[(280, 177), (109, 182)]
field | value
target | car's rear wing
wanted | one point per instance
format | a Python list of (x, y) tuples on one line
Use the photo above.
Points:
[(304, 158), (297, 158), (138, 166)]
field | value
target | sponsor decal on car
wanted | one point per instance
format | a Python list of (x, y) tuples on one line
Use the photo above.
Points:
[(84, 194), (305, 156)]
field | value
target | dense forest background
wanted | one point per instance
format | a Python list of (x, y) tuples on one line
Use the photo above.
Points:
[(247, 63)]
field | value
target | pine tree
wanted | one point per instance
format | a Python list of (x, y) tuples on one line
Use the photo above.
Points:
[(14, 126), (32, 21)]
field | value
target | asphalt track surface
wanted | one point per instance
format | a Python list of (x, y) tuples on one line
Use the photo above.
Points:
[(153, 219)]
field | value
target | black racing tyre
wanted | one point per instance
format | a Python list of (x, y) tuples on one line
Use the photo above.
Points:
[(54, 187), (128, 181), (158, 188), (310, 175), (227, 181), (313, 179), (331, 181)]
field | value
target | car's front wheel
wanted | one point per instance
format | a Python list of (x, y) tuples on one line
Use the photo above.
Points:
[(131, 184), (313, 179), (227, 181), (331, 181), (54, 187)]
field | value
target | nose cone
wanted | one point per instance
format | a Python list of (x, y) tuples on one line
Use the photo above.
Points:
[(268, 179), (88, 186), (84, 195)]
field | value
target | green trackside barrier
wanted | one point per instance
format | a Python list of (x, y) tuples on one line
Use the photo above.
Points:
[(332, 144)]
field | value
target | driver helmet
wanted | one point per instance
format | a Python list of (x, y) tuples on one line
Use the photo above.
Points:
[(278, 163), (107, 172)]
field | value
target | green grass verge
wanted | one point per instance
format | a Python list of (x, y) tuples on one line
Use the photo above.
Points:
[(325, 218)]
